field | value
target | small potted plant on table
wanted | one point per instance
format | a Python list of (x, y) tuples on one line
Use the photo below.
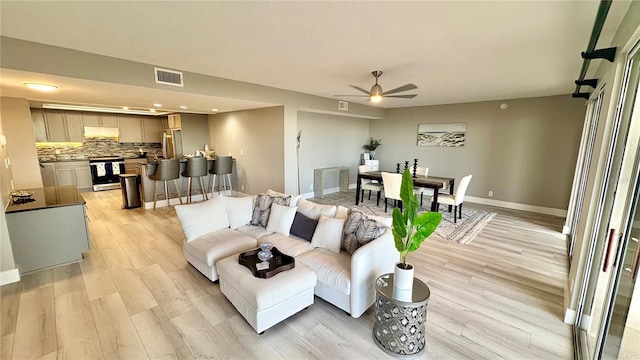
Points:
[(372, 146), (410, 229)]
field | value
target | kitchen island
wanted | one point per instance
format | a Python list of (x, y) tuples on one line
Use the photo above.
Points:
[(148, 184), (48, 229)]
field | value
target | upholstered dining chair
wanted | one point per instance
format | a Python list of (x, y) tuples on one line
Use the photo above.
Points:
[(392, 183), (370, 185), (456, 199), (420, 190)]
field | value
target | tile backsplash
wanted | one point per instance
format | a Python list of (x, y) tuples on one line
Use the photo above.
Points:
[(92, 147)]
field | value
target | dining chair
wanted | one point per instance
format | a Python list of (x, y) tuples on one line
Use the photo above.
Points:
[(456, 199), (371, 185), (392, 183), (421, 190)]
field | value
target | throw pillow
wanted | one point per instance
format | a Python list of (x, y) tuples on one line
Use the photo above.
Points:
[(280, 219), (202, 218), (313, 210), (239, 210), (328, 234), (262, 207), (359, 229), (303, 227), (294, 198)]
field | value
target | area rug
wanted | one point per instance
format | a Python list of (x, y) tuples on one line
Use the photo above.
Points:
[(465, 230)]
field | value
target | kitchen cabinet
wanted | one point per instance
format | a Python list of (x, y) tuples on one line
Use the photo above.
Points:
[(48, 172), (140, 129), (99, 119), (77, 173), (130, 127), (57, 126), (174, 122), (152, 129)]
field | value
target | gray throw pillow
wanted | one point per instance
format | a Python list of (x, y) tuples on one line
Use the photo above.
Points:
[(359, 230), (303, 227), (262, 207)]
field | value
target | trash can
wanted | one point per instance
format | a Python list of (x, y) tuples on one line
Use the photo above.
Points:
[(130, 184)]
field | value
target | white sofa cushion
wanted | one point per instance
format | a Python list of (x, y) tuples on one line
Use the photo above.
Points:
[(280, 219), (202, 218), (328, 234), (333, 270), (239, 210), (290, 245), (313, 210), (214, 246), (254, 231)]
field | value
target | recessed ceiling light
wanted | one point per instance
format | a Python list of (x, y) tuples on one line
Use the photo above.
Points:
[(157, 104), (183, 107), (41, 87), (214, 110)]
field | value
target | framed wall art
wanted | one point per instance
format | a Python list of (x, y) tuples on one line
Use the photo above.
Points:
[(442, 135)]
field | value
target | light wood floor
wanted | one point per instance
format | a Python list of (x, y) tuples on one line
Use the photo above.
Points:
[(134, 296)]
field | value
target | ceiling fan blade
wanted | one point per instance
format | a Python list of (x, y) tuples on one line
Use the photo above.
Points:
[(361, 89), (402, 96), (400, 89), (353, 95)]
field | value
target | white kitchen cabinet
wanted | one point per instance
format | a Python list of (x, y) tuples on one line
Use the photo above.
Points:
[(152, 129), (74, 127), (99, 120), (48, 172), (39, 125), (130, 127), (77, 173), (57, 126)]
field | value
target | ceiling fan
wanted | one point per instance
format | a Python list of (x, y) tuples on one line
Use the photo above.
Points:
[(376, 94)]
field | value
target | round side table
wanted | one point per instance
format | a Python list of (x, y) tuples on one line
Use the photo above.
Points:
[(399, 326)]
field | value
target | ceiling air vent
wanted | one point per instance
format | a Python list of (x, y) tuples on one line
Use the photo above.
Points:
[(168, 77), (343, 105)]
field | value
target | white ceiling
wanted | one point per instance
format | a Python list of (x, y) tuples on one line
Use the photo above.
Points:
[(454, 51)]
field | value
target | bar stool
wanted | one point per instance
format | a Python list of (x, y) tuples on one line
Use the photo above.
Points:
[(196, 167), (222, 166), (168, 169)]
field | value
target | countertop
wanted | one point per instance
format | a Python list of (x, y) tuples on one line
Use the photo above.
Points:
[(48, 197)]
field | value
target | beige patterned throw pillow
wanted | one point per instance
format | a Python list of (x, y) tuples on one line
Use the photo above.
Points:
[(262, 207), (359, 229)]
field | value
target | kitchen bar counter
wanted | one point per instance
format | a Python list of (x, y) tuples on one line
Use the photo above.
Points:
[(47, 197), (49, 231)]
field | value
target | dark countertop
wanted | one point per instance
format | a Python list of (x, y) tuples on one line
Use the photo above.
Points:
[(61, 160), (48, 197)]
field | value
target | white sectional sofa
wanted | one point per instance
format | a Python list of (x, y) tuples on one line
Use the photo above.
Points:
[(347, 250)]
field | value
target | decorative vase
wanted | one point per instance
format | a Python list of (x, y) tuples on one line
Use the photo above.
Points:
[(403, 282), (372, 155)]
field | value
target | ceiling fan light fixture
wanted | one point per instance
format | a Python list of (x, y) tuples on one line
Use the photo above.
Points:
[(375, 98), (375, 95)]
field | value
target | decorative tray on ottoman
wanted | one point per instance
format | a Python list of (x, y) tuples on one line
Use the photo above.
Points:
[(279, 262)]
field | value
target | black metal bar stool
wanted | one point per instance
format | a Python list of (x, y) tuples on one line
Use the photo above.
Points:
[(196, 167), (222, 166), (168, 169)]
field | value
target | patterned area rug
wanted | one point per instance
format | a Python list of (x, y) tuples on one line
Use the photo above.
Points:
[(465, 230)]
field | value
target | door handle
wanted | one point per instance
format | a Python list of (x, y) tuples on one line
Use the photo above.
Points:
[(605, 264)]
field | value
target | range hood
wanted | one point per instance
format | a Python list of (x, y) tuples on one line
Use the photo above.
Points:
[(94, 131)]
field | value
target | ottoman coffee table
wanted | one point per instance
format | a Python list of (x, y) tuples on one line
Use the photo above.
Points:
[(264, 302)]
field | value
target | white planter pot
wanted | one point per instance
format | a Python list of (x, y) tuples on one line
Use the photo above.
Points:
[(403, 279)]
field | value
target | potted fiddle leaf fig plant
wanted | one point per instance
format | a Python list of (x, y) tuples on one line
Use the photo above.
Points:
[(372, 146), (410, 229)]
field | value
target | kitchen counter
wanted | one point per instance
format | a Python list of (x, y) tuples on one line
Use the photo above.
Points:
[(48, 197), (50, 160)]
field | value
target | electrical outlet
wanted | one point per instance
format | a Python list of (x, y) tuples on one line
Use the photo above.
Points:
[(490, 193)]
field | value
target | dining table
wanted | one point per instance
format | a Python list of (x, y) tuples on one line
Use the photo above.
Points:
[(436, 183)]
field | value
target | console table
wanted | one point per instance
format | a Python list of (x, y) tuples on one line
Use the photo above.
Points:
[(399, 326), (318, 179)]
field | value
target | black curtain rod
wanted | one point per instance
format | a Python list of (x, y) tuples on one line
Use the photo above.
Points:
[(603, 10)]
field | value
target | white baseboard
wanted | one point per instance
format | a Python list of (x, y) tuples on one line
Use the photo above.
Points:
[(9, 276), (570, 316), (517, 206)]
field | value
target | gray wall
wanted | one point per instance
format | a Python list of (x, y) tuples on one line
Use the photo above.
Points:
[(525, 154), (255, 139), (329, 140)]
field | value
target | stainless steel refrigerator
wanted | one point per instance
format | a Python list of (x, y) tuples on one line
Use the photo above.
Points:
[(172, 144)]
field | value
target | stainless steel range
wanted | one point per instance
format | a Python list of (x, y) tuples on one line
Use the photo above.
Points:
[(105, 172)]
